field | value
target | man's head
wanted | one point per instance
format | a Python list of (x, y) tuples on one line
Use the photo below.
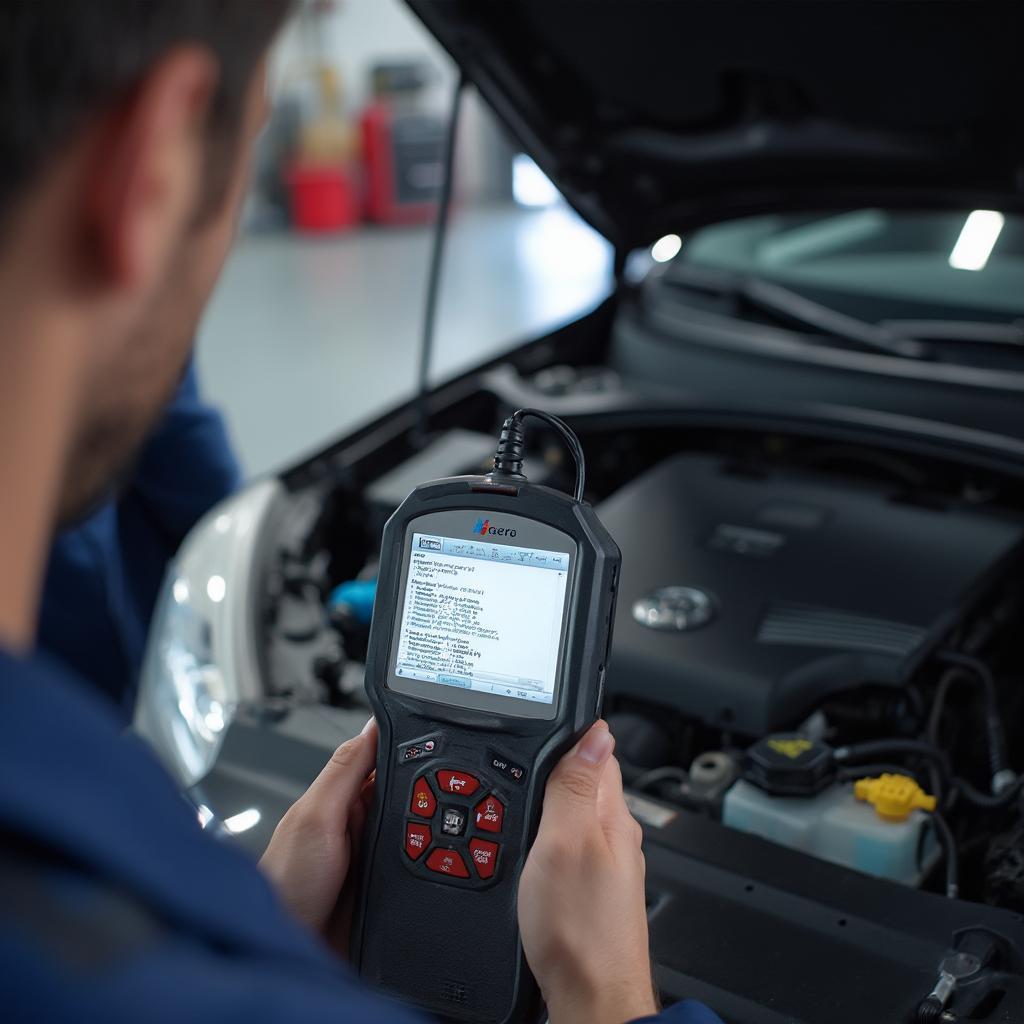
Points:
[(125, 131)]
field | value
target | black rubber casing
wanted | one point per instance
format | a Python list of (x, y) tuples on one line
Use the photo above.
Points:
[(452, 946)]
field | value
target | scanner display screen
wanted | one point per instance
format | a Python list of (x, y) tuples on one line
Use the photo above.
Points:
[(483, 617)]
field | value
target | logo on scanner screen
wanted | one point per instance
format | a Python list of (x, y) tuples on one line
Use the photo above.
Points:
[(484, 528), (430, 543)]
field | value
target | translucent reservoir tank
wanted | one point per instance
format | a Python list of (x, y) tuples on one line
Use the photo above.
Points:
[(837, 827)]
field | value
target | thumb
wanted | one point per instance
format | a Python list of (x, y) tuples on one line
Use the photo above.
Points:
[(339, 784), (573, 786)]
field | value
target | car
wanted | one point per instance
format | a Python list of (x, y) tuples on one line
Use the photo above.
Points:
[(802, 409)]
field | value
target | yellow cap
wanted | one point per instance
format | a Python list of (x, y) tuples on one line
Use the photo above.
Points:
[(893, 796)]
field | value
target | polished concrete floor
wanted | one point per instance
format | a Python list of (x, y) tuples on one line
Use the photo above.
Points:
[(306, 338)]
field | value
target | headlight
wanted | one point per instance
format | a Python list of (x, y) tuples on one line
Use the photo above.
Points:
[(201, 658)]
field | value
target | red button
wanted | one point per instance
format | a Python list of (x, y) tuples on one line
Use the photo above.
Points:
[(490, 813), (459, 783), (448, 862), (484, 855), (423, 802), (417, 839)]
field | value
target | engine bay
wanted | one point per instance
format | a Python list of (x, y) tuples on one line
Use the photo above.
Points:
[(748, 597), (816, 642)]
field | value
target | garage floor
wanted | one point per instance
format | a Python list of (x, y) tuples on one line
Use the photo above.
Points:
[(307, 338)]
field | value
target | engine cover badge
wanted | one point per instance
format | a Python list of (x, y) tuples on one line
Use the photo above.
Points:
[(675, 608)]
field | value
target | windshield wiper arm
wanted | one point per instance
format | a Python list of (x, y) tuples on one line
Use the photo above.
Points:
[(1008, 335), (806, 314)]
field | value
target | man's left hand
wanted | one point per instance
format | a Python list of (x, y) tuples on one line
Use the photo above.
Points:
[(312, 853)]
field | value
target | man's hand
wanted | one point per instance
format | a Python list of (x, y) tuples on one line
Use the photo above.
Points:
[(311, 854), (582, 911)]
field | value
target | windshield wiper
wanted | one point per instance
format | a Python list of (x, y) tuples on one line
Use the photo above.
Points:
[(967, 332), (788, 306)]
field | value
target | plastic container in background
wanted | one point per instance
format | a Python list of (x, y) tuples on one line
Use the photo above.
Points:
[(837, 827), (402, 146), (322, 198)]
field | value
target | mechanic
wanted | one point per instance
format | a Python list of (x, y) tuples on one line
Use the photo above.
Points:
[(125, 131), (105, 572)]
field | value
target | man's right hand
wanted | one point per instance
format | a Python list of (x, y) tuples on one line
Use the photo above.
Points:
[(582, 913)]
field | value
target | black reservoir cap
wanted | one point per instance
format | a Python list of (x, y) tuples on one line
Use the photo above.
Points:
[(786, 764)]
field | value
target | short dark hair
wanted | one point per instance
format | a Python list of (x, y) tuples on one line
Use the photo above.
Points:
[(61, 61)]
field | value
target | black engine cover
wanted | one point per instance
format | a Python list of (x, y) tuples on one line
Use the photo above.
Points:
[(801, 587)]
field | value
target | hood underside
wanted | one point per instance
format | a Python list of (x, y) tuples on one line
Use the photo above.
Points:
[(662, 115)]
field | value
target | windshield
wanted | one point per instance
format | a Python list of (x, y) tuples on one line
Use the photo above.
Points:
[(877, 264)]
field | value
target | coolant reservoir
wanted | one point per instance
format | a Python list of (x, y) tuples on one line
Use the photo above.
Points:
[(835, 826)]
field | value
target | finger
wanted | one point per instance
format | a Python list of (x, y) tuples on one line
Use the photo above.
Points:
[(356, 823), (365, 798), (340, 924), (612, 811), (610, 801), (367, 790), (340, 783), (573, 786)]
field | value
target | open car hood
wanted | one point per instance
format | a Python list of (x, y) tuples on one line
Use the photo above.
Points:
[(661, 115)]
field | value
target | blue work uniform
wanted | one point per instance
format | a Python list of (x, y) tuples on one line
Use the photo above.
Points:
[(104, 574), (115, 905)]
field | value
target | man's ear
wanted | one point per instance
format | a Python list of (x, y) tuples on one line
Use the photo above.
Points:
[(144, 183)]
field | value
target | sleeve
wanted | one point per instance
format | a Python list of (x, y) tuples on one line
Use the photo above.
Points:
[(186, 466), (79, 614), (168, 979), (686, 1012)]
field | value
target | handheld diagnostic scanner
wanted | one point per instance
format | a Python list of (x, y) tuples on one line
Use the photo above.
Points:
[(490, 636)]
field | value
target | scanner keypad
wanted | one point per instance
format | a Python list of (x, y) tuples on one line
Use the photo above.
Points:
[(457, 783), (489, 814), (417, 839), (466, 817), (484, 855), (423, 802), (448, 862)]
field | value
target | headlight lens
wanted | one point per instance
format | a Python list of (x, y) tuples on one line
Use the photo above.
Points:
[(185, 701), (201, 657)]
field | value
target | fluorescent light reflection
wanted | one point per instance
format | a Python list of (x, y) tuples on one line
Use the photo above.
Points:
[(666, 248), (977, 239), (216, 588), (242, 821)]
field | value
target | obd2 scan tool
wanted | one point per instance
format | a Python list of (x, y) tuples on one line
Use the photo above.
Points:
[(490, 636)]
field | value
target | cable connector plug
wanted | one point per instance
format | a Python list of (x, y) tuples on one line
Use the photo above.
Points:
[(508, 457)]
